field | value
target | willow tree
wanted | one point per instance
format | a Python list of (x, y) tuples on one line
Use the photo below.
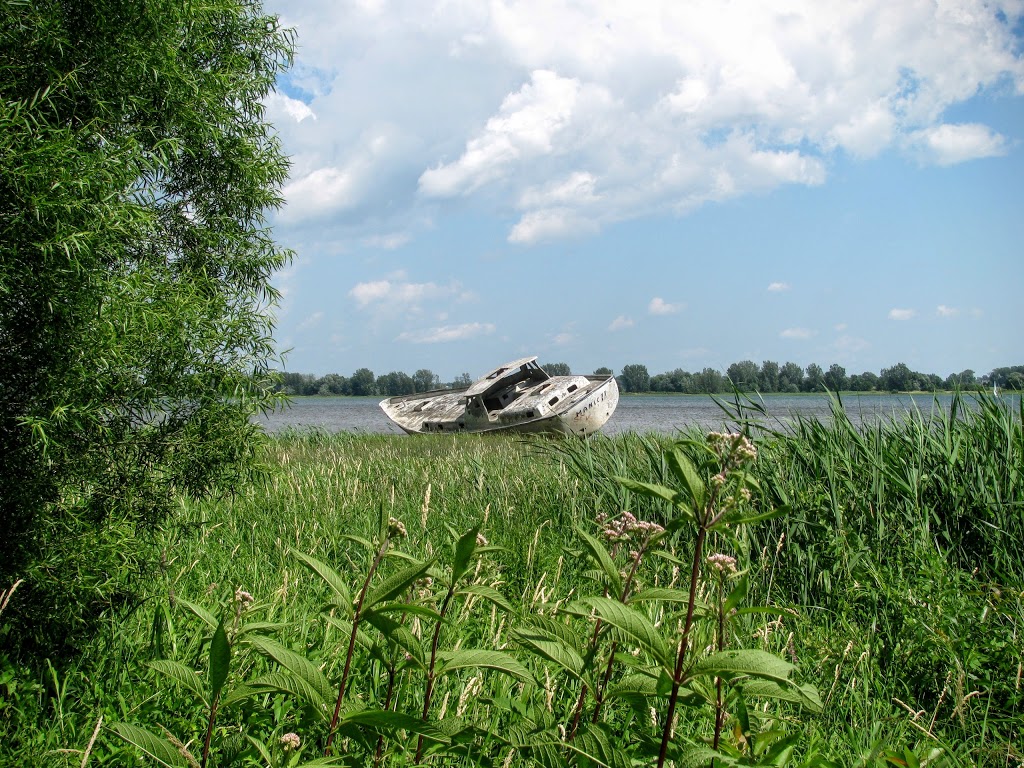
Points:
[(136, 171)]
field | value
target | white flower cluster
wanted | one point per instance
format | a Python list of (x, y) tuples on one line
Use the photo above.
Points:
[(396, 529), (733, 444), (290, 742), (723, 563), (626, 525)]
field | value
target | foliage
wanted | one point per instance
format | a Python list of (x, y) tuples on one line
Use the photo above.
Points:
[(135, 169), (866, 583), (745, 376)]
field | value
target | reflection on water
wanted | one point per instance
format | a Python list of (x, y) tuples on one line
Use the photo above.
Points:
[(636, 413)]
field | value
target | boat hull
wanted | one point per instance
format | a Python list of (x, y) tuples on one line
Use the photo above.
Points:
[(526, 400)]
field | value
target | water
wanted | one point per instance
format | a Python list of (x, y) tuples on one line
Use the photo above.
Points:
[(637, 413)]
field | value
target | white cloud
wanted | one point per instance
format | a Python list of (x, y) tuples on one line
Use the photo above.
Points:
[(621, 322), (578, 115), (943, 311), (796, 333), (948, 144), (561, 339), (447, 333), (901, 314), (279, 105), (387, 242), (659, 306), (400, 294), (311, 322), (840, 327), (778, 287)]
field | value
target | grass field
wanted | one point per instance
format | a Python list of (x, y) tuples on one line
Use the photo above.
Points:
[(849, 596)]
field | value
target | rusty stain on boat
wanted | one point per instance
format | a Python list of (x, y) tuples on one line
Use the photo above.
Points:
[(518, 396)]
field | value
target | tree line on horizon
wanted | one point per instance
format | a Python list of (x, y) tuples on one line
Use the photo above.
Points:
[(747, 376)]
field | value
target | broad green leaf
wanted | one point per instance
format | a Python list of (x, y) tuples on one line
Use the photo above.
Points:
[(363, 640), (182, 675), (627, 620), (651, 490), (552, 649), (398, 634), (157, 747), (464, 549), (331, 577), (412, 609), (220, 659), (684, 471), (635, 684), (363, 542), (667, 595), (199, 611), (263, 626), (385, 720), (395, 584), (594, 744), (451, 661), (490, 594), (805, 695), (604, 560), (701, 757), (295, 663), (737, 595), (751, 662), (281, 682), (740, 519)]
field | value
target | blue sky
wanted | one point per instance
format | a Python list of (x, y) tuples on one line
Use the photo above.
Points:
[(683, 185)]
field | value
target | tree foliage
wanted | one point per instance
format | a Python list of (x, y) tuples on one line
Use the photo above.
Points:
[(135, 338)]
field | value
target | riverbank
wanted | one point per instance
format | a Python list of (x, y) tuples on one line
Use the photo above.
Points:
[(890, 585)]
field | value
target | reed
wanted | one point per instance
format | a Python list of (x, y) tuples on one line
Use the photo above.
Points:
[(891, 584)]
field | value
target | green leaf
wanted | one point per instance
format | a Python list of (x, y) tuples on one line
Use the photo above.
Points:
[(552, 649), (451, 661), (805, 695), (281, 682), (751, 662), (220, 659), (737, 595), (331, 577), (396, 633), (157, 747), (182, 675), (701, 757), (684, 471), (748, 519), (604, 560), (464, 549), (490, 594), (632, 623), (297, 664), (199, 611), (363, 542), (650, 490), (389, 722), (667, 595), (396, 584)]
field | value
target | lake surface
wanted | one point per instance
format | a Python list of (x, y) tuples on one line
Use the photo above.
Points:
[(636, 413)]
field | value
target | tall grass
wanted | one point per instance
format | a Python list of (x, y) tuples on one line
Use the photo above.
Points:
[(893, 581)]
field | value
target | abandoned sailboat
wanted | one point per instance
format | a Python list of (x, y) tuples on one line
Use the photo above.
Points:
[(518, 396)]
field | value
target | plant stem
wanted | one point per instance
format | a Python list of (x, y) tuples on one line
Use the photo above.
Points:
[(209, 729), (719, 708), (428, 695), (352, 644), (677, 677)]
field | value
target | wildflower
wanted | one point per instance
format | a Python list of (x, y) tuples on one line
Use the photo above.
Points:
[(723, 563), (243, 598), (481, 540), (290, 742), (396, 529), (620, 530)]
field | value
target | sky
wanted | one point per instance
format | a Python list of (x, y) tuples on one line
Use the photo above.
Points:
[(675, 184)]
